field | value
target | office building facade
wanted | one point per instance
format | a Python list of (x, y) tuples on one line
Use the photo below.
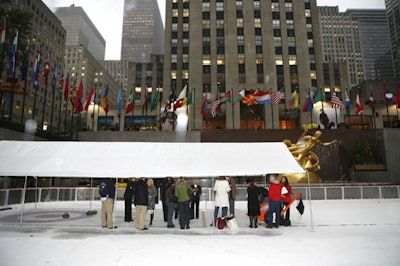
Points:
[(142, 31), (241, 45), (393, 16)]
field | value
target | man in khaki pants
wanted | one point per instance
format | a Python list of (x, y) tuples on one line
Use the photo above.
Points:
[(107, 194), (141, 202)]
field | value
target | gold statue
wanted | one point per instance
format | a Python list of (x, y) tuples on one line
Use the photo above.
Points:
[(306, 158)]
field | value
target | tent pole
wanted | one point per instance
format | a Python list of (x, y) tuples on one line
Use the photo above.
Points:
[(115, 204), (36, 187), (23, 204), (92, 197), (309, 200)]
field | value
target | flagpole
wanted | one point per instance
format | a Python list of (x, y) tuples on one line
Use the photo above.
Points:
[(94, 105), (233, 109), (13, 81), (26, 80), (272, 112), (59, 110), (312, 104), (284, 93), (194, 108)]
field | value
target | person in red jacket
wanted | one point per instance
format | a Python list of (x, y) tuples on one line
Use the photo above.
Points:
[(275, 195), (285, 220)]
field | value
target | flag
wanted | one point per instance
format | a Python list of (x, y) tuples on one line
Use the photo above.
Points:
[(13, 52), (24, 67), (262, 97), (66, 88), (155, 100), (190, 98), (398, 97), (336, 102), (388, 98), (53, 79), (249, 99), (318, 97), (145, 105), (89, 100), (61, 82), (278, 96), (171, 99), (226, 97), (215, 106), (129, 103), (73, 94), (46, 72), (308, 105), (2, 41), (295, 99), (36, 69), (371, 103), (183, 93), (78, 100), (347, 103), (104, 100), (239, 97), (180, 103), (119, 100), (359, 104), (203, 108)]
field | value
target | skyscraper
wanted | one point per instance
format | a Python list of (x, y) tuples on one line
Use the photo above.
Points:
[(375, 42), (393, 15), (341, 41), (81, 30), (236, 45), (142, 32)]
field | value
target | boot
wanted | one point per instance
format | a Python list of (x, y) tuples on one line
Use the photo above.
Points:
[(151, 218), (255, 222), (251, 222)]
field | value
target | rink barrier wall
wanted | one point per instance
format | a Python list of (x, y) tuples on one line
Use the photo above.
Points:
[(53, 194)]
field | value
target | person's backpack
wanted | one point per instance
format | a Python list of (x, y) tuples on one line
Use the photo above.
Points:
[(103, 190)]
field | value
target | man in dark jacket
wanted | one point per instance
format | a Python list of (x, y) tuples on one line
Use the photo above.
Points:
[(128, 197), (107, 194), (141, 202), (164, 186)]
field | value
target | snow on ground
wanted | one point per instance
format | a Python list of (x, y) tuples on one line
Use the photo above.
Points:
[(343, 232)]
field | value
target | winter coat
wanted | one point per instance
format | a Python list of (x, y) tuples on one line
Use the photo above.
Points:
[(141, 193), (253, 203), (196, 192), (129, 191), (152, 192), (181, 192), (170, 195), (275, 192), (222, 189), (232, 193), (107, 188), (288, 196)]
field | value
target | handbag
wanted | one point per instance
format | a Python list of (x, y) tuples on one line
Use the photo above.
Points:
[(232, 224), (300, 206)]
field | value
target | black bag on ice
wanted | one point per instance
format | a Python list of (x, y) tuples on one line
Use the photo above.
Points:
[(300, 206)]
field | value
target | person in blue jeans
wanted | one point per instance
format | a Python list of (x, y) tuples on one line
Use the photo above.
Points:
[(170, 201), (182, 192), (221, 189)]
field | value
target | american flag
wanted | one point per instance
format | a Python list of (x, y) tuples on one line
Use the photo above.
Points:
[(277, 96), (215, 107), (337, 103)]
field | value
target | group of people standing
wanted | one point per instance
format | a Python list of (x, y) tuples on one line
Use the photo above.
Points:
[(183, 200), (278, 195)]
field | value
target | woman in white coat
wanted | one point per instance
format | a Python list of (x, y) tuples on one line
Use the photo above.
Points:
[(221, 189)]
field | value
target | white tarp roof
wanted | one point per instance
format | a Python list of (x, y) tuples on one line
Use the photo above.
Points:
[(144, 159)]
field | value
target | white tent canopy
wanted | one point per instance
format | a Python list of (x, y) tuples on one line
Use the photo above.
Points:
[(144, 159)]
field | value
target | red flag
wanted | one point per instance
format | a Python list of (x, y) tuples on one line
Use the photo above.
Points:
[(89, 99), (78, 99), (203, 108), (129, 104), (66, 89), (359, 104), (398, 97)]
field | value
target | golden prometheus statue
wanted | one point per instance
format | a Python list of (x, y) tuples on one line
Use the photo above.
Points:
[(301, 151)]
